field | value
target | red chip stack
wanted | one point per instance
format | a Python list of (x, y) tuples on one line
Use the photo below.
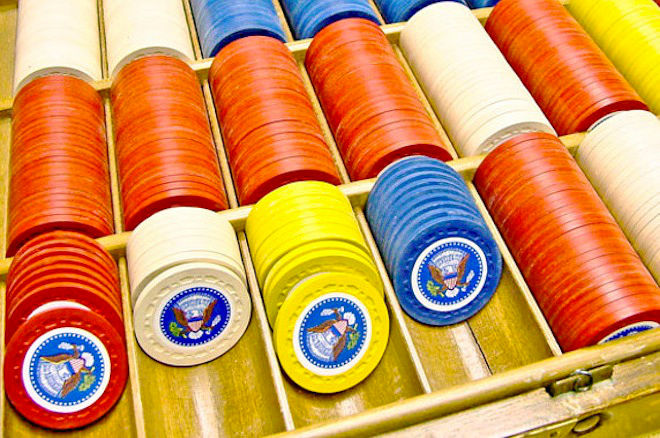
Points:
[(268, 123), (65, 361), (59, 161), (165, 150), (584, 274), (562, 67), (373, 110)]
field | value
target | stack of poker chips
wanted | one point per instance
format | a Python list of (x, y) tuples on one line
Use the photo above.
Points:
[(440, 255), (628, 31), (476, 94), (188, 286), (137, 28), (65, 358), (268, 123), (373, 110), (569, 76), (57, 37), (309, 17), (621, 158), (321, 289), (165, 151), (586, 277), (58, 161), (397, 11), (219, 22)]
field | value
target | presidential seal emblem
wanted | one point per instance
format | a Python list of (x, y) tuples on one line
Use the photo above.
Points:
[(332, 334), (66, 370), (195, 316), (449, 274), (629, 330)]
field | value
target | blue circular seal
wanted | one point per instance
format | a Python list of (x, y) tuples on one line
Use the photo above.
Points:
[(332, 334), (195, 316), (449, 274), (66, 370), (632, 329)]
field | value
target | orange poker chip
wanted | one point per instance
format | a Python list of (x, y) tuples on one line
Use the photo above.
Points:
[(166, 155), (540, 36), (351, 66), (268, 123)]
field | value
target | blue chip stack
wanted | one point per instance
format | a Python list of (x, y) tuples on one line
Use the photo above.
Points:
[(219, 22), (396, 11), (476, 4), (440, 255), (308, 17)]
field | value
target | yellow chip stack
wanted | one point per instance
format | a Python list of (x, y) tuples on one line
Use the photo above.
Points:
[(323, 295), (628, 31)]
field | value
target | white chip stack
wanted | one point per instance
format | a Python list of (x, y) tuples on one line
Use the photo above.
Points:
[(475, 93), (188, 286), (621, 157), (146, 27), (57, 37)]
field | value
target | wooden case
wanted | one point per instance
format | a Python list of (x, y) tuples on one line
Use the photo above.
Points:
[(500, 373)]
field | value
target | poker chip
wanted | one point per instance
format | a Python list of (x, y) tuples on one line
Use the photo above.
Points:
[(477, 4), (321, 289), (397, 11), (188, 286), (309, 17), (269, 127), (65, 356), (444, 262), (331, 332), (219, 22), (58, 162), (585, 275), (373, 110), (165, 151), (59, 37), (475, 93), (628, 32), (135, 29), (538, 37), (621, 158)]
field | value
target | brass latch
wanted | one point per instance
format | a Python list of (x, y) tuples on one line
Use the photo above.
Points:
[(580, 380)]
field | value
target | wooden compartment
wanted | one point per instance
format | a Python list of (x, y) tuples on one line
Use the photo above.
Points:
[(475, 375)]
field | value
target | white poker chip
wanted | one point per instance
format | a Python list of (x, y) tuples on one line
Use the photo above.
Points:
[(477, 96), (146, 27), (621, 157), (57, 37), (191, 314)]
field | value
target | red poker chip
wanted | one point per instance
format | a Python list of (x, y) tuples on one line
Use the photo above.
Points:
[(77, 289), (40, 339), (593, 324)]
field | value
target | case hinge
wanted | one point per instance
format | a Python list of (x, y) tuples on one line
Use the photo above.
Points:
[(580, 380)]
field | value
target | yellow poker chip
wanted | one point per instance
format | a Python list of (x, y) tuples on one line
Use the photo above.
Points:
[(331, 332), (191, 314), (312, 259)]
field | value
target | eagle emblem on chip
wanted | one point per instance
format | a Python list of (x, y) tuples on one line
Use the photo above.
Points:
[(195, 322), (327, 340), (450, 275), (68, 370)]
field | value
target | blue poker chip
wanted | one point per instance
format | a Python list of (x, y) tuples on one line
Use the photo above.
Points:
[(308, 17), (448, 272), (477, 4), (219, 22), (435, 244), (397, 11)]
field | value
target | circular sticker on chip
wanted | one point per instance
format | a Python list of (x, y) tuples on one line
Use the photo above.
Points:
[(66, 370), (449, 274), (195, 316), (332, 334), (629, 330)]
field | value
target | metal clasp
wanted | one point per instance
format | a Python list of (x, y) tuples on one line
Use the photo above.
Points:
[(580, 380)]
